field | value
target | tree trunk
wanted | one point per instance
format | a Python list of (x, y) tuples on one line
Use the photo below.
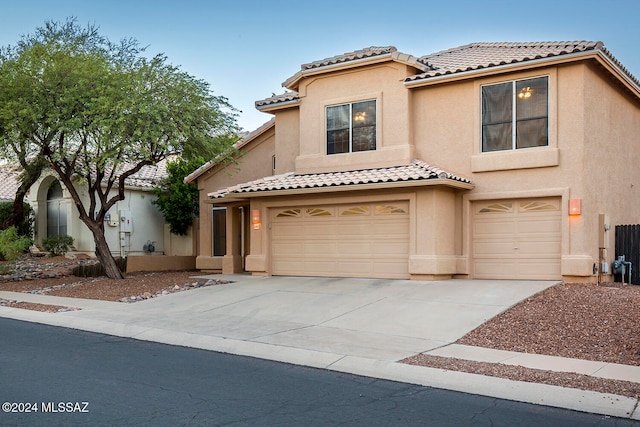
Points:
[(104, 255), (28, 177)]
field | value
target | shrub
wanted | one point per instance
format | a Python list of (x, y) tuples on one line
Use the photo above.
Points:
[(12, 244), (57, 245), (26, 227)]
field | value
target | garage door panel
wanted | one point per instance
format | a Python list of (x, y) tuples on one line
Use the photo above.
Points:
[(517, 239), (494, 228), (544, 249), (536, 227), (496, 268), (392, 249), (533, 270), (359, 244), (493, 248)]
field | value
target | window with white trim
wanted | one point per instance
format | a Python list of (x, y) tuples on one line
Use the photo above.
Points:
[(515, 114), (351, 127)]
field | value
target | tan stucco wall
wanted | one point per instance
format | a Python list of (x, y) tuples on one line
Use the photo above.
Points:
[(382, 83), (593, 154), (593, 125), (160, 263), (256, 162), (288, 136), (611, 180)]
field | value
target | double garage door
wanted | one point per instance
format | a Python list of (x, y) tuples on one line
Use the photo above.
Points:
[(511, 239), (517, 239), (355, 240)]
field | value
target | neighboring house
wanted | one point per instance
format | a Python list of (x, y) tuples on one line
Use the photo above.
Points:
[(131, 223), (486, 161)]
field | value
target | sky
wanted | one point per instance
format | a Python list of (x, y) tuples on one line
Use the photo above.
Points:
[(245, 49)]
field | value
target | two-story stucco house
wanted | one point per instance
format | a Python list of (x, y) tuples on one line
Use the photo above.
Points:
[(488, 161)]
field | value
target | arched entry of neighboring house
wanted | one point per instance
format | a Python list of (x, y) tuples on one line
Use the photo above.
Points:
[(56, 211)]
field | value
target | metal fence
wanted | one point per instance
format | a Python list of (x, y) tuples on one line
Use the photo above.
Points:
[(628, 245)]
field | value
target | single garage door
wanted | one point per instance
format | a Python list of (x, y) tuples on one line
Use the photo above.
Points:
[(360, 240), (517, 239)]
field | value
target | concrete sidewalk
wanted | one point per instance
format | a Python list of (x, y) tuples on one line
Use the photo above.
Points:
[(359, 326)]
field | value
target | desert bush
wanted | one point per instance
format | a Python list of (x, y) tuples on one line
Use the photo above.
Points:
[(12, 244), (26, 227), (57, 245)]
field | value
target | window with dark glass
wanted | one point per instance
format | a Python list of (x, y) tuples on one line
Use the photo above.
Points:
[(351, 127), (219, 231), (515, 115), (56, 212)]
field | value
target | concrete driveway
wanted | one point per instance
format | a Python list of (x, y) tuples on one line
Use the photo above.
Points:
[(372, 318), (358, 326)]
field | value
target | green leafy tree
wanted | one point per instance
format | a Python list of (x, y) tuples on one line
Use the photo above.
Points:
[(177, 200), (97, 112)]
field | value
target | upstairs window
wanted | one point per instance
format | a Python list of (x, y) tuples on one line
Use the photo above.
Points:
[(515, 115), (351, 127)]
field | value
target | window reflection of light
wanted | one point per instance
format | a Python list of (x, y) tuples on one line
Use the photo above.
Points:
[(360, 116), (525, 93)]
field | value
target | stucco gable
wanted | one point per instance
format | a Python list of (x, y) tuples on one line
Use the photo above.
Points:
[(250, 137), (373, 54), (416, 171)]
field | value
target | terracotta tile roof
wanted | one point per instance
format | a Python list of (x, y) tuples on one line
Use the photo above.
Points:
[(476, 56), (367, 52), (9, 183), (376, 52), (288, 96), (416, 171), (148, 176)]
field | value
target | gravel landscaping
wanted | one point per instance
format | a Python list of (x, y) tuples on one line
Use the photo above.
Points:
[(584, 321)]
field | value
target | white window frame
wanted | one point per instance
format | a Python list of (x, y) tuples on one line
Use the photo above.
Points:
[(350, 104), (514, 113)]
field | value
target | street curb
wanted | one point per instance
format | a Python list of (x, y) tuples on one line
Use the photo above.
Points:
[(540, 394)]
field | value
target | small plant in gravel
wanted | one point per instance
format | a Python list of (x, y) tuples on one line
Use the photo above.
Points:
[(12, 244), (57, 245)]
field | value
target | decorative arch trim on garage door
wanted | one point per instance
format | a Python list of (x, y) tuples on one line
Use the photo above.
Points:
[(347, 240), (517, 239)]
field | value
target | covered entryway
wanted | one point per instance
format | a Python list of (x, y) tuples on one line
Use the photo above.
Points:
[(517, 239), (349, 240)]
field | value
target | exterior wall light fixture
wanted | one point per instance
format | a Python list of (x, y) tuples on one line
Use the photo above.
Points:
[(255, 219), (575, 207)]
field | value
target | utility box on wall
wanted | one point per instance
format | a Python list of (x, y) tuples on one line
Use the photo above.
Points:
[(126, 224)]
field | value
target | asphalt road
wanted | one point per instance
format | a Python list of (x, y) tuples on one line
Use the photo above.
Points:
[(55, 376)]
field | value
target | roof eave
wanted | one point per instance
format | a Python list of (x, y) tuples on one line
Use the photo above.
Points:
[(292, 82), (535, 63), (614, 69), (452, 183), (268, 108)]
